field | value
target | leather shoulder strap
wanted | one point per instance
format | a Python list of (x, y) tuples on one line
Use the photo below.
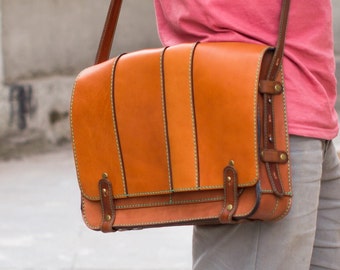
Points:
[(278, 55), (104, 49)]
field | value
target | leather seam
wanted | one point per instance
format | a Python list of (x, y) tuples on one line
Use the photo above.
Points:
[(85, 218), (115, 126), (166, 192), (164, 114), (170, 221), (286, 126), (193, 114), (173, 202)]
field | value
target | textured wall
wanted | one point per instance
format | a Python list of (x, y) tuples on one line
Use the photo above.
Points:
[(44, 37)]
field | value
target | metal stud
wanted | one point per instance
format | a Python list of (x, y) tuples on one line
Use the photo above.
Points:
[(278, 88), (283, 157), (108, 217), (232, 163), (105, 175), (104, 190), (230, 207), (229, 179)]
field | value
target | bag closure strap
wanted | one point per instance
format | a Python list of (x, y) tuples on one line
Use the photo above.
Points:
[(107, 204), (104, 48)]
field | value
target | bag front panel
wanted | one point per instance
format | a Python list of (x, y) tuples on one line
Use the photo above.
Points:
[(226, 77), (94, 146), (181, 123), (150, 143), (138, 114), (180, 117)]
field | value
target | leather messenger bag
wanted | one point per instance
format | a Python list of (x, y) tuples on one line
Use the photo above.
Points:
[(182, 135)]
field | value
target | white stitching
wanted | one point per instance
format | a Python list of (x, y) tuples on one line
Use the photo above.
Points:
[(143, 205), (193, 120), (114, 119), (161, 66), (162, 222)]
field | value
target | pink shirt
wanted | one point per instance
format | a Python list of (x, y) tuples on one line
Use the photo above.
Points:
[(309, 64)]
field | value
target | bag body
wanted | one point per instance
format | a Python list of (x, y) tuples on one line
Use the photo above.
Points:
[(188, 134)]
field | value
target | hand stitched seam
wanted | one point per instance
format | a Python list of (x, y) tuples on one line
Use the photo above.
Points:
[(193, 114), (165, 125), (174, 202), (167, 221), (115, 127)]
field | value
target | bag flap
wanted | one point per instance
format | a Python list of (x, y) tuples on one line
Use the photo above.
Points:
[(171, 119)]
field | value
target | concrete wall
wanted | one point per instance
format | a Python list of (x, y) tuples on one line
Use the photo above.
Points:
[(47, 37), (45, 43), (60, 36)]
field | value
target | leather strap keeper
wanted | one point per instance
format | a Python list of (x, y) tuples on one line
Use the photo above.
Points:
[(270, 87), (274, 156), (230, 195), (108, 209)]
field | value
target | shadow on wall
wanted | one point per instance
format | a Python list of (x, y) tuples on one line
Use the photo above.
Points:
[(22, 105)]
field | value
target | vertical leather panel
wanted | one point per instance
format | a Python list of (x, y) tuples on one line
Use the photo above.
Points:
[(180, 116), (91, 101), (281, 140), (281, 133), (220, 91), (138, 107)]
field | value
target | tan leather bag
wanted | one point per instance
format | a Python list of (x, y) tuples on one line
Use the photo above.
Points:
[(189, 134)]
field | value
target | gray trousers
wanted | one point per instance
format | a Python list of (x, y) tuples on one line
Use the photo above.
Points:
[(308, 238)]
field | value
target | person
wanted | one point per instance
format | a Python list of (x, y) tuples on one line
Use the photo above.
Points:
[(309, 236)]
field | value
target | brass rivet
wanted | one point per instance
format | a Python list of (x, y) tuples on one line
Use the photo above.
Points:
[(108, 217), (283, 157), (229, 179), (105, 175), (230, 207), (104, 190), (278, 88), (231, 163)]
